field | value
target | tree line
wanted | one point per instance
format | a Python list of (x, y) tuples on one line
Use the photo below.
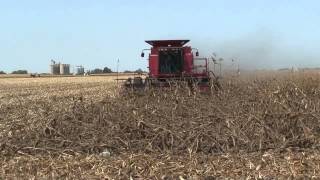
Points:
[(108, 70), (16, 72), (94, 71)]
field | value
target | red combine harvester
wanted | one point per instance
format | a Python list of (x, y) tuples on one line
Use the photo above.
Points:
[(170, 61)]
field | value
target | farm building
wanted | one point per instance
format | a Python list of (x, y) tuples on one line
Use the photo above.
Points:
[(59, 68)]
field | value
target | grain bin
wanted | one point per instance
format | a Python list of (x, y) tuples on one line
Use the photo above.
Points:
[(55, 69), (79, 70), (64, 69)]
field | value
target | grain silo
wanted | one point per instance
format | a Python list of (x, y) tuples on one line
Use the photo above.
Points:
[(59, 68), (54, 68), (64, 69), (79, 70)]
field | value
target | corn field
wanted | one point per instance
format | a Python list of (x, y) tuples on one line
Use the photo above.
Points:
[(257, 126)]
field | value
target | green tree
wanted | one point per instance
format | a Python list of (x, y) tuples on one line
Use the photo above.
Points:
[(2, 72), (96, 71), (139, 71), (20, 72), (107, 70)]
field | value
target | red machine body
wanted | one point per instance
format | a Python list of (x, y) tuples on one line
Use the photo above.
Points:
[(172, 59)]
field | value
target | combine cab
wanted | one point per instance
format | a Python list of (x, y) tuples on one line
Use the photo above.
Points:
[(170, 61)]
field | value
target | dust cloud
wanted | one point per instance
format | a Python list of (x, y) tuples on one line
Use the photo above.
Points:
[(258, 50)]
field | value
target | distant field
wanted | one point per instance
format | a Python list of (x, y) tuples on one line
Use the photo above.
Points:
[(49, 75), (260, 125)]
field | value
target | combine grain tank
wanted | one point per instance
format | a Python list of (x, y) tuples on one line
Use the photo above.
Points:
[(173, 61)]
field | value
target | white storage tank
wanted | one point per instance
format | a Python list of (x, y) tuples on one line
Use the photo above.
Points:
[(64, 69), (79, 70)]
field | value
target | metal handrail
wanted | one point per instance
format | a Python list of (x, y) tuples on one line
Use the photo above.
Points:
[(206, 64)]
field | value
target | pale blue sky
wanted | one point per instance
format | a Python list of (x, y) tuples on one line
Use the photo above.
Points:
[(94, 33)]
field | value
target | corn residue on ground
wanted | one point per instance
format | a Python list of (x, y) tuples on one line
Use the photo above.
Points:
[(258, 126)]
